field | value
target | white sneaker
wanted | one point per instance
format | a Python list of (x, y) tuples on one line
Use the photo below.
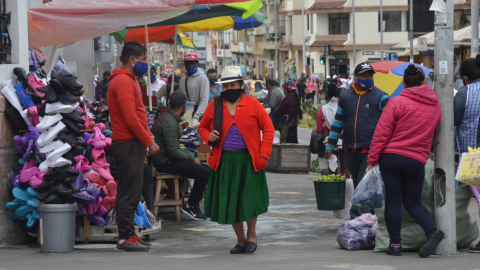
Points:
[(50, 134), (51, 146), (59, 107), (48, 121), (58, 153)]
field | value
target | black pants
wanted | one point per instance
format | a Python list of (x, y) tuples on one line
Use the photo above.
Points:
[(357, 165), (403, 178), (148, 187), (189, 169), (129, 158), (301, 96), (292, 135)]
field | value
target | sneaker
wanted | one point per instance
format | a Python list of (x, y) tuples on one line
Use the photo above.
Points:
[(194, 212), (475, 249), (140, 240), (131, 244), (395, 250), (432, 242)]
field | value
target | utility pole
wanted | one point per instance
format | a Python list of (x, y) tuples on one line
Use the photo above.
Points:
[(474, 22), (444, 195), (304, 63), (325, 63), (354, 41), (381, 30), (224, 58), (411, 32), (245, 50), (276, 40)]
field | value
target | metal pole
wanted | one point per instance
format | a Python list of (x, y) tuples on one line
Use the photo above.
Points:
[(304, 63), (245, 50), (172, 82), (444, 195), (381, 30), (411, 32), (325, 63), (276, 45), (223, 39), (149, 84), (474, 49), (354, 40)]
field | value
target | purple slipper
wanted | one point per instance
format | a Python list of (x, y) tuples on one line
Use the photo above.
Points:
[(33, 133), (36, 148), (85, 137), (79, 181), (91, 189), (16, 140), (29, 152), (84, 198), (17, 183), (79, 209), (97, 219)]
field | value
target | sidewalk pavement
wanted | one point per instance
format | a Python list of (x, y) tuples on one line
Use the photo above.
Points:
[(292, 235)]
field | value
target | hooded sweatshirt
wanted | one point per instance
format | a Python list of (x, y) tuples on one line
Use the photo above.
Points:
[(127, 112), (407, 125), (198, 91)]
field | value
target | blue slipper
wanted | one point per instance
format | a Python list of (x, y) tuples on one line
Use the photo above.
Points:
[(21, 194), (23, 210), (32, 192), (21, 161), (33, 202), (141, 218), (24, 97), (16, 203), (36, 214), (30, 220)]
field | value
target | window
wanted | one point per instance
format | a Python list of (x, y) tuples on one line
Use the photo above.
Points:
[(104, 43), (290, 25), (394, 21), (311, 24), (339, 23)]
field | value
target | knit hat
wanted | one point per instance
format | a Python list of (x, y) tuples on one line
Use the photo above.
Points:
[(177, 99)]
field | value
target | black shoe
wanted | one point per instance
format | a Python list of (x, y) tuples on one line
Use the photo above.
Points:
[(238, 249), (70, 172), (41, 111), (250, 247), (69, 137), (75, 116), (61, 189), (75, 151), (72, 127), (21, 76), (55, 176), (475, 249), (194, 212), (131, 245), (68, 183), (433, 241), (395, 250), (67, 79)]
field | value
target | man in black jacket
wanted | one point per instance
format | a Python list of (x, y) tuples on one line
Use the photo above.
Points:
[(173, 159), (101, 89)]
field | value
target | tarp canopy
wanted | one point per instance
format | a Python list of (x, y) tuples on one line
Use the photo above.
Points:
[(66, 21)]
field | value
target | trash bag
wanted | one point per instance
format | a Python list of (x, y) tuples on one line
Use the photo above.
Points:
[(413, 236), (370, 192), (345, 212), (358, 233), (316, 143)]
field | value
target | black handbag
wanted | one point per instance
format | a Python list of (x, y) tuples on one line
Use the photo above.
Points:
[(316, 143)]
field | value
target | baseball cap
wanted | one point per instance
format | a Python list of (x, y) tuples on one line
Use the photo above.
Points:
[(191, 57), (363, 67), (177, 99)]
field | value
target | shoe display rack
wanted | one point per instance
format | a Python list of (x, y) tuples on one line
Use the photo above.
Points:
[(108, 233)]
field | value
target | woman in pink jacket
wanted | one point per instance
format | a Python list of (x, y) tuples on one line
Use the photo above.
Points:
[(310, 91), (401, 145)]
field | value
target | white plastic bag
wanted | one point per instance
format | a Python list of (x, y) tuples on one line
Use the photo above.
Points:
[(276, 139), (370, 192), (345, 212)]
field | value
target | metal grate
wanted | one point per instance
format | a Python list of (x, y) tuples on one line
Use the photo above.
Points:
[(5, 42)]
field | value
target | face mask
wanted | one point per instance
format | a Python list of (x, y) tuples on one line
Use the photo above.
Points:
[(153, 78), (231, 95), (191, 70), (175, 87), (140, 67), (181, 115), (258, 89), (365, 84), (212, 81)]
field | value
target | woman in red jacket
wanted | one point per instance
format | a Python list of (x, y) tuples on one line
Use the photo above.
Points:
[(401, 145), (237, 190)]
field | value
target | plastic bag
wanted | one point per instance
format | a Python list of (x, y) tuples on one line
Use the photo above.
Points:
[(345, 212), (358, 233), (370, 192)]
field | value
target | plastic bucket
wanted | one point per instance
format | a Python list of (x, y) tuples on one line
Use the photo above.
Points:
[(57, 227), (330, 195)]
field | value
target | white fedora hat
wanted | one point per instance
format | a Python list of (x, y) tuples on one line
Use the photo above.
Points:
[(231, 74)]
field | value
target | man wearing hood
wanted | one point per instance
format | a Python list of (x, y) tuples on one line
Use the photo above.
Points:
[(130, 139), (196, 87), (358, 111)]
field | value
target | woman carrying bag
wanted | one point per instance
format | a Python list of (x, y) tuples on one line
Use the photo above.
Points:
[(237, 190), (287, 113), (401, 145)]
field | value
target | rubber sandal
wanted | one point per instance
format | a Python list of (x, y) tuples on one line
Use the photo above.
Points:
[(97, 219), (34, 83), (140, 217), (106, 202), (59, 152), (33, 202), (86, 136), (30, 220), (95, 177), (41, 156), (21, 76), (18, 145), (23, 210), (49, 120), (84, 198), (50, 135), (99, 156), (103, 170), (112, 188), (68, 183), (16, 203), (108, 142), (25, 99), (25, 175), (29, 151), (33, 111), (91, 189), (97, 143), (102, 210), (35, 182), (51, 146)]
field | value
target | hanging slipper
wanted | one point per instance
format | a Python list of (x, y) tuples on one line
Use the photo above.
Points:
[(16, 203), (103, 170)]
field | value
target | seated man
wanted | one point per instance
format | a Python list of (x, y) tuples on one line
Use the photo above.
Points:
[(173, 159)]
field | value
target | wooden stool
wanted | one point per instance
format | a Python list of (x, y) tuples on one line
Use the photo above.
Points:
[(177, 202)]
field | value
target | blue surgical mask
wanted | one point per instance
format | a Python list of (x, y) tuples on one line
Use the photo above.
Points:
[(153, 78), (258, 89), (365, 84), (213, 81), (191, 70), (140, 67)]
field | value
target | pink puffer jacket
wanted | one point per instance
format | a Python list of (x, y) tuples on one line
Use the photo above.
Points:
[(407, 125)]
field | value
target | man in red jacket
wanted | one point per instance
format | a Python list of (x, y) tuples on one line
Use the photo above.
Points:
[(131, 137)]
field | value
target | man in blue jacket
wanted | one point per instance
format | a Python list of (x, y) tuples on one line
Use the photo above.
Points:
[(358, 112)]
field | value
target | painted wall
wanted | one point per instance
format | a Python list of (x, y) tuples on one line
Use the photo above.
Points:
[(370, 34), (369, 3), (321, 25)]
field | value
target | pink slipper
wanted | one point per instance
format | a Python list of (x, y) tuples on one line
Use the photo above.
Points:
[(28, 164), (95, 178), (33, 111), (97, 204), (102, 210), (112, 188), (97, 143), (106, 202), (112, 201), (108, 141), (99, 156), (35, 182), (103, 170), (25, 175)]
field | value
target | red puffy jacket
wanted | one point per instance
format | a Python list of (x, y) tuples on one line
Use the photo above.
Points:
[(407, 125)]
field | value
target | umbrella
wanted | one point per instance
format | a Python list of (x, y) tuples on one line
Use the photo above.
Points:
[(155, 34), (389, 75), (65, 21)]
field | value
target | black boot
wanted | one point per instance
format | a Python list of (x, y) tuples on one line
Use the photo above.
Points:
[(433, 240), (394, 250)]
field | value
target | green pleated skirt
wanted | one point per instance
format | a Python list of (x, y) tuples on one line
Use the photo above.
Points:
[(235, 192)]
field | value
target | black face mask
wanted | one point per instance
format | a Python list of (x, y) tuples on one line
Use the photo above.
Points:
[(231, 95), (175, 87)]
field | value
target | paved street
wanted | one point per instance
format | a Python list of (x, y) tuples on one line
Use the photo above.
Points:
[(292, 235)]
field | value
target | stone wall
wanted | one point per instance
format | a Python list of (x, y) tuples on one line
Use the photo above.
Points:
[(10, 232)]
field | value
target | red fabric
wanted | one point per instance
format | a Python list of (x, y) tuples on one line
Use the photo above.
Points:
[(407, 125), (250, 119), (320, 125), (127, 112), (163, 34)]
